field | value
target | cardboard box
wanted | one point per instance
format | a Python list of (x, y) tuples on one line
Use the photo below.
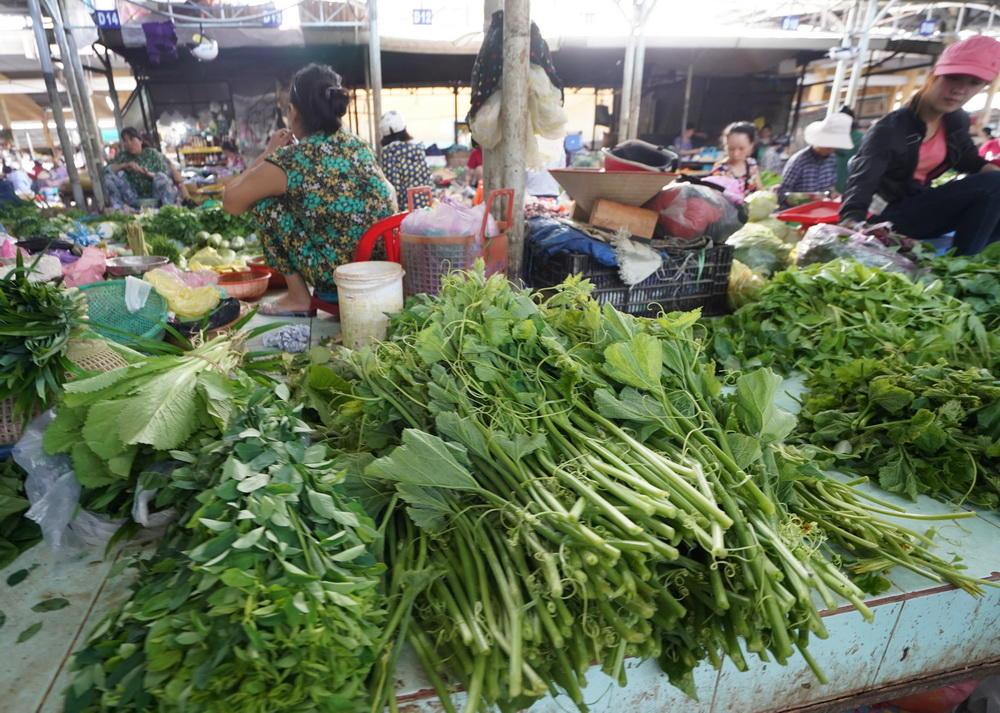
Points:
[(586, 185), (614, 216)]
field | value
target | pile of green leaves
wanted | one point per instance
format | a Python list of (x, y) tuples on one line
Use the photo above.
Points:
[(975, 281), (928, 428), (559, 484), (164, 247), (826, 315), (36, 322), (173, 222), (264, 598), (17, 533), (115, 425), (26, 220), (216, 220)]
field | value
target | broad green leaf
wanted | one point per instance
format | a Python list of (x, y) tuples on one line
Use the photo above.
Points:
[(233, 577), (351, 553), (884, 393), (756, 409), (164, 413), (746, 450), (215, 525), (322, 503), (91, 471), (248, 540), (464, 431), (64, 430), (898, 477), (424, 460), (100, 429), (629, 406), (254, 482), (637, 363), (521, 445)]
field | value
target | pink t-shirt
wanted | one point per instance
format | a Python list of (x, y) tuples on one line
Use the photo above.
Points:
[(932, 154)]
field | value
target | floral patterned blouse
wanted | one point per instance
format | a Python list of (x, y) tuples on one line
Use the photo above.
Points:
[(405, 166), (335, 192), (750, 181), (151, 160)]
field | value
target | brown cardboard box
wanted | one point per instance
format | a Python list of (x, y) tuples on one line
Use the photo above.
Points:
[(586, 185), (639, 222)]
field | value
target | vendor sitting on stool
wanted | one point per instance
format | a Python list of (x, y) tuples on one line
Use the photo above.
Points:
[(908, 148), (312, 200), (140, 173), (814, 168)]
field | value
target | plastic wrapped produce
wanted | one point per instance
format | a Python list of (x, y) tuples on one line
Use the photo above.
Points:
[(823, 243), (744, 284), (688, 210), (759, 248), (448, 219)]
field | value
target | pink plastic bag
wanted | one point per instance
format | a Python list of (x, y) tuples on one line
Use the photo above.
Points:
[(8, 248), (448, 219), (89, 268), (192, 278)]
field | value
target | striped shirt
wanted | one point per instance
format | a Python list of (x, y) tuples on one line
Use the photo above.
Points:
[(808, 172)]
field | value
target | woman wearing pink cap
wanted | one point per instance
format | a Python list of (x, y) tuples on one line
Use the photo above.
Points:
[(910, 147)]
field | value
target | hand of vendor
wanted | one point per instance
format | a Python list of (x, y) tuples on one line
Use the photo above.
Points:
[(281, 137)]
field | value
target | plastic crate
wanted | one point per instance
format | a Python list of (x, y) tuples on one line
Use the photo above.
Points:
[(687, 280)]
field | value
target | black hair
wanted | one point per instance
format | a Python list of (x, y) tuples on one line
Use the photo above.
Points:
[(691, 126), (319, 97), (129, 133), (403, 135), (741, 127), (229, 146), (848, 110), (988, 130)]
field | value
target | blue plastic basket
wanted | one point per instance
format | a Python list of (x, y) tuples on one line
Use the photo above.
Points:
[(109, 317)]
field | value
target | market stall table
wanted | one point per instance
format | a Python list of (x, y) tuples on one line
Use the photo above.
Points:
[(923, 636)]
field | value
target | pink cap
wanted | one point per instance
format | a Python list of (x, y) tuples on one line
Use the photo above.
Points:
[(977, 56)]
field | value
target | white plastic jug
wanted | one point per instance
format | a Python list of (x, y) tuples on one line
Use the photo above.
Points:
[(367, 293)]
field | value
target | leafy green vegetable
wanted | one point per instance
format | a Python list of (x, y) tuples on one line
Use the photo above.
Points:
[(36, 323), (17, 533), (263, 599), (567, 484), (823, 316), (928, 428), (975, 281), (757, 247)]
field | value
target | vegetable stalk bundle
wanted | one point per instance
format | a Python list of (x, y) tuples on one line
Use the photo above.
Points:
[(570, 487)]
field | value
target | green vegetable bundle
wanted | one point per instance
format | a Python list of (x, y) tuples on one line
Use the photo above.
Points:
[(826, 315), (975, 281), (757, 247), (173, 222), (17, 533), (263, 599), (561, 484), (930, 428), (116, 424), (36, 322)]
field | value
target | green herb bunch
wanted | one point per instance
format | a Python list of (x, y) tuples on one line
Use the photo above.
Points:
[(17, 533), (927, 429), (37, 321), (264, 598), (825, 315)]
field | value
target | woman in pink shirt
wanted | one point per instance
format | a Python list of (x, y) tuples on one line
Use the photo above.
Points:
[(906, 150)]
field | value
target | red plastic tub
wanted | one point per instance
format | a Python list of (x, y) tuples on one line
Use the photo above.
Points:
[(810, 214)]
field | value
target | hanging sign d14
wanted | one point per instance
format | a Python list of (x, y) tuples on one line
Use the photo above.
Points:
[(927, 28), (107, 19)]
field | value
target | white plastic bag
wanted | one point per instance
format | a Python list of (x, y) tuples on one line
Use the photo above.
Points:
[(54, 494), (448, 219)]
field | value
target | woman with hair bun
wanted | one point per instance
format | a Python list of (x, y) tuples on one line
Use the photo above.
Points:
[(313, 198)]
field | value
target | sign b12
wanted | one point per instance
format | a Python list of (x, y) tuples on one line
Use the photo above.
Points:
[(422, 16)]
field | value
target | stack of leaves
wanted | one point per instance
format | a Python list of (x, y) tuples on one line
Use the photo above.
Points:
[(175, 223), (825, 315), (929, 428), (570, 487), (36, 322), (115, 425), (17, 533), (263, 599), (975, 281)]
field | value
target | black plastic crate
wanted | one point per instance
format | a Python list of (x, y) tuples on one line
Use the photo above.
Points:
[(687, 280)]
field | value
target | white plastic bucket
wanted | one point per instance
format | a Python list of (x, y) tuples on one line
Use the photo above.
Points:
[(367, 292)]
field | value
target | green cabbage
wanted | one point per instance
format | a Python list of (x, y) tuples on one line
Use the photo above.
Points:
[(761, 204)]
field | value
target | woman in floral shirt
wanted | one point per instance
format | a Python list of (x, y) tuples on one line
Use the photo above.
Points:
[(139, 172), (403, 162), (314, 199)]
